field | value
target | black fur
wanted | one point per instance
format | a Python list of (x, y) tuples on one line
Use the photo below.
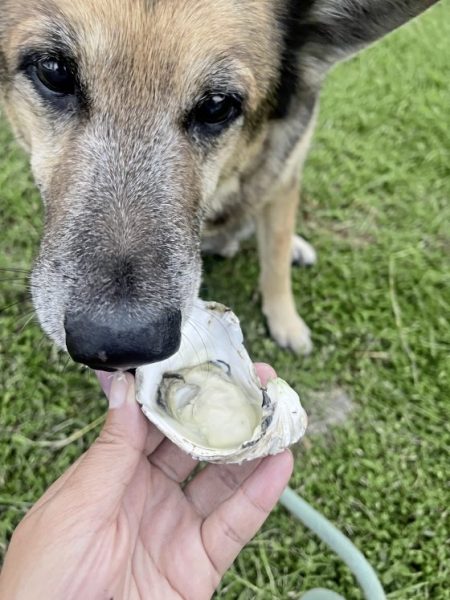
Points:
[(331, 35), (290, 22)]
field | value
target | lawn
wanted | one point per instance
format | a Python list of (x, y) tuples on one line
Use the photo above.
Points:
[(376, 207)]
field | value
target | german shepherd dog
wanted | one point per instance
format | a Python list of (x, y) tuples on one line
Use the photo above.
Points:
[(156, 129)]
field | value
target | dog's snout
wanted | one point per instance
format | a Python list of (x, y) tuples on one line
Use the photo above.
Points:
[(122, 342)]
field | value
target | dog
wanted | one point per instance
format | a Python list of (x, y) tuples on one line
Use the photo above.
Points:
[(158, 129)]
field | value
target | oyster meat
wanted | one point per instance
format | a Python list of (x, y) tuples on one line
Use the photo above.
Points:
[(208, 400)]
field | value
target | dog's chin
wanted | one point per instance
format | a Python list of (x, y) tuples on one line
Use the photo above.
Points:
[(57, 336)]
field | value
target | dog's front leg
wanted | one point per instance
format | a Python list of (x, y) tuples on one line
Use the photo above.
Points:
[(275, 228)]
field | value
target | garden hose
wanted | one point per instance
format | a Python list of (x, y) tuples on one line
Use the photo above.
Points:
[(339, 543)]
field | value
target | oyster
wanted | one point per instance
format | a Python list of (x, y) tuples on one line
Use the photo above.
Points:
[(208, 400)]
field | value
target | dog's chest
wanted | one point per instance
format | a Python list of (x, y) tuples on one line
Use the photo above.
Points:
[(270, 166)]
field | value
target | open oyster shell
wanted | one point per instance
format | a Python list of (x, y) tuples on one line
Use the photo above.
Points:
[(208, 400)]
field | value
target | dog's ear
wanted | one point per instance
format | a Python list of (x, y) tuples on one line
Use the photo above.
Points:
[(320, 33), (331, 30)]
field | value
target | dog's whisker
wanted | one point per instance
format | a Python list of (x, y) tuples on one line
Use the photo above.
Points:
[(219, 320), (5, 308), (186, 337), (199, 327), (66, 365), (14, 280), (28, 321), (25, 315), (45, 335), (42, 340), (194, 325)]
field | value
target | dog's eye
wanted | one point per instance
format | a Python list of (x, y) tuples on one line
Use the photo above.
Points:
[(217, 110), (56, 76)]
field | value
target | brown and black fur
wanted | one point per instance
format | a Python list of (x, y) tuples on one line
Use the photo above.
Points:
[(132, 186)]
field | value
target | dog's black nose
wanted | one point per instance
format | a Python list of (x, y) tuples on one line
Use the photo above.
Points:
[(120, 341)]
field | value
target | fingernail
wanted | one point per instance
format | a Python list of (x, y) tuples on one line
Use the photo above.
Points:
[(265, 373), (118, 391), (105, 380)]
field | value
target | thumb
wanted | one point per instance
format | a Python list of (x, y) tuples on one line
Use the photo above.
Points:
[(125, 426), (110, 464)]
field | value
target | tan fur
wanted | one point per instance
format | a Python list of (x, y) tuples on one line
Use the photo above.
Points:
[(275, 228)]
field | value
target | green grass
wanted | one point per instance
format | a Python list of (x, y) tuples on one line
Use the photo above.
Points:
[(376, 206)]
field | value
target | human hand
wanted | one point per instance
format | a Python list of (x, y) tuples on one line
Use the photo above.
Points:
[(118, 524)]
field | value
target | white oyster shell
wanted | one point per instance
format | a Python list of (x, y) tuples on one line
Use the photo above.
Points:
[(212, 347)]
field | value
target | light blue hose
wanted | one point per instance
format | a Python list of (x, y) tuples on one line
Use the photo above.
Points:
[(338, 542)]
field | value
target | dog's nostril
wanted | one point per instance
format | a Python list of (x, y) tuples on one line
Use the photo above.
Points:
[(122, 342)]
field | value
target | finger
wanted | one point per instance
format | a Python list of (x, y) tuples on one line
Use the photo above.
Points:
[(265, 372), (105, 379), (109, 465), (154, 436), (216, 483), (232, 525), (173, 462), (153, 440)]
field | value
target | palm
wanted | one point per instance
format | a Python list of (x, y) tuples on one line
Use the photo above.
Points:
[(173, 534), (165, 541), (118, 524)]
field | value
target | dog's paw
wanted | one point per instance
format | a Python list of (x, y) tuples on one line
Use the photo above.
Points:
[(290, 331), (303, 254), (221, 246), (230, 249)]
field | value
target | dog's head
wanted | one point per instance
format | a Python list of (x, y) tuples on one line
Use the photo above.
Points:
[(133, 111)]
